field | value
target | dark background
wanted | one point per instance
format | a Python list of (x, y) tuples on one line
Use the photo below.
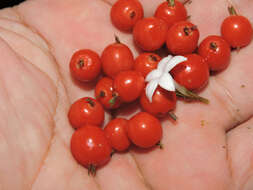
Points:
[(9, 3)]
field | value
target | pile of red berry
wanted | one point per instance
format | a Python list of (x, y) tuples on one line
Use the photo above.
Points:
[(156, 82)]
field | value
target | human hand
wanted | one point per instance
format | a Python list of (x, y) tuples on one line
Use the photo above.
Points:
[(210, 147)]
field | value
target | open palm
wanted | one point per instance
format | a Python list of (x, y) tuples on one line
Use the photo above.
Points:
[(210, 147)]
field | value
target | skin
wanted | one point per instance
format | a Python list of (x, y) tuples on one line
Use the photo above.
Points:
[(210, 147)]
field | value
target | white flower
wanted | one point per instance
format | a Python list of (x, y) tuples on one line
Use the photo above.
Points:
[(161, 75)]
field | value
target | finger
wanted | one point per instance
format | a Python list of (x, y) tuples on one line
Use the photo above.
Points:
[(229, 106), (34, 52), (27, 103), (217, 105), (231, 86), (9, 14), (88, 35), (240, 148)]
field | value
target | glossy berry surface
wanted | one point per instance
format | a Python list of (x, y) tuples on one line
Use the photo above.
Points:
[(144, 130), (129, 85), (216, 52), (193, 74), (146, 62), (105, 93), (182, 38), (171, 13), (90, 147), (116, 133), (237, 31), (125, 14), (115, 58), (150, 33), (86, 111), (85, 65), (163, 101)]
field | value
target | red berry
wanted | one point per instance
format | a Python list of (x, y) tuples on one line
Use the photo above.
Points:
[(105, 93), (216, 52), (124, 14), (90, 147), (85, 65), (115, 58), (182, 38), (171, 13), (86, 111), (162, 102), (129, 85), (146, 62), (144, 130), (237, 31), (116, 133), (150, 33), (193, 74)]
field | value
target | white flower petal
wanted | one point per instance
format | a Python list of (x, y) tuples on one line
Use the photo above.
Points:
[(177, 86), (166, 82), (173, 62), (150, 89), (155, 74), (162, 64)]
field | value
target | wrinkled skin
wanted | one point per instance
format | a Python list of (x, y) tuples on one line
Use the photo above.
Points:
[(210, 147)]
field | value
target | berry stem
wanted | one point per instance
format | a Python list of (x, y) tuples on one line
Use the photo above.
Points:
[(186, 2), (113, 152), (171, 3), (160, 145), (113, 100), (92, 170), (172, 116), (90, 101), (232, 10), (117, 39)]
